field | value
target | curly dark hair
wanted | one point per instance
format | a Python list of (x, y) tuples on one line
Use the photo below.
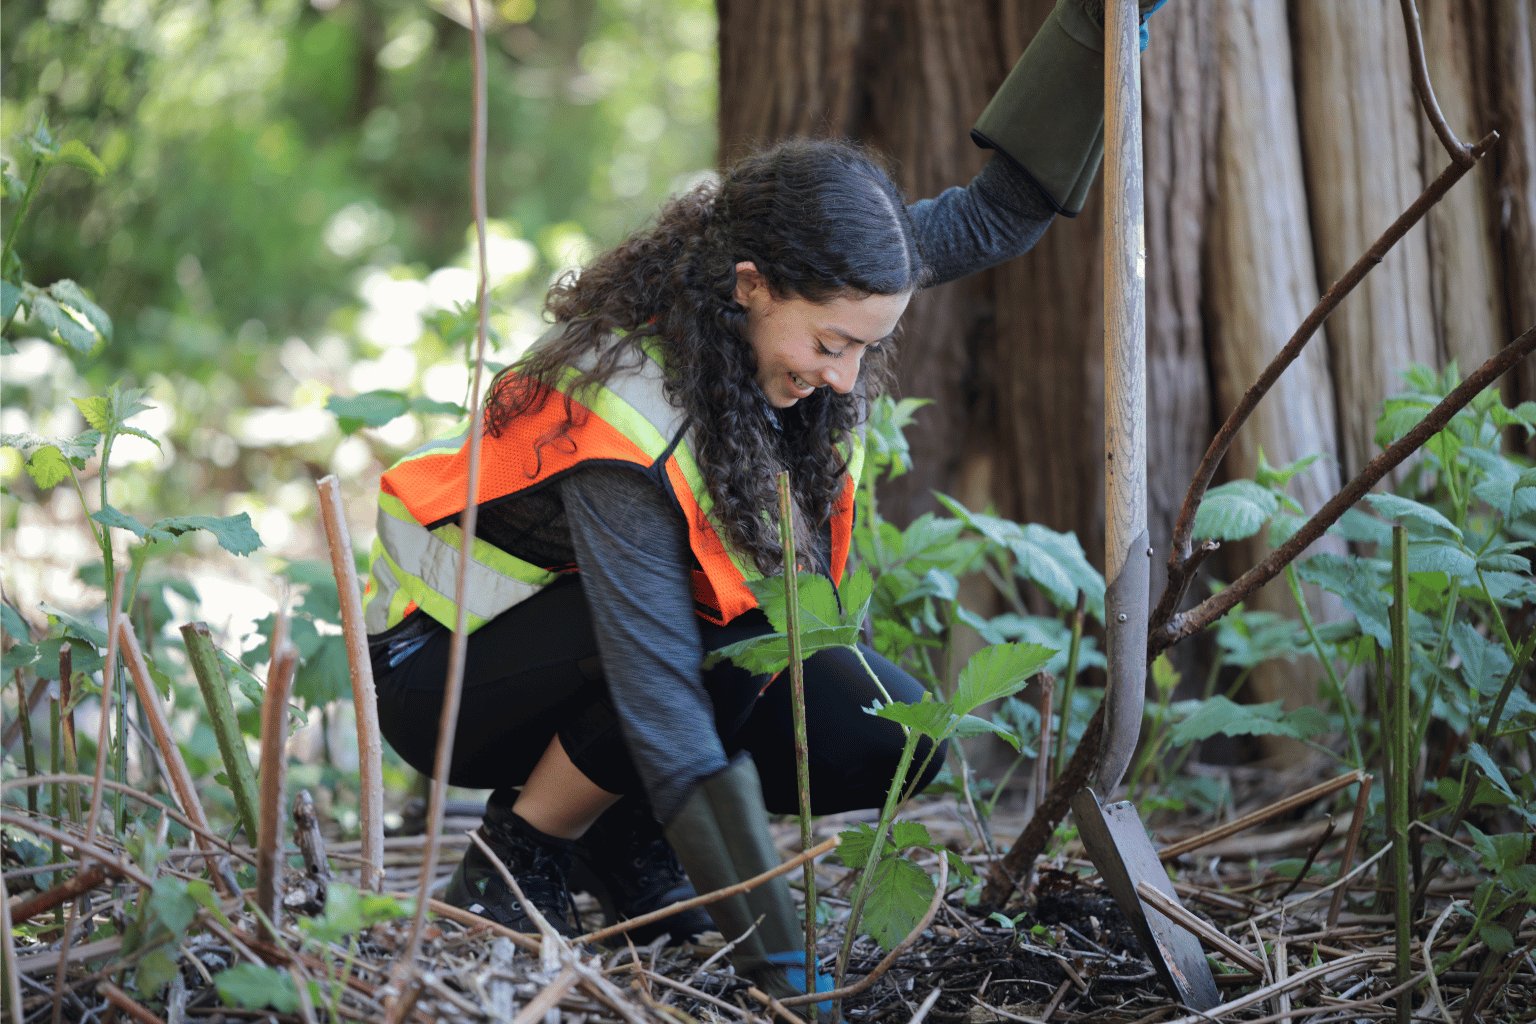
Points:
[(820, 219)]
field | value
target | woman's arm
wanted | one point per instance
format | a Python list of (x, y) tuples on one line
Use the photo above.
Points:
[(999, 215)]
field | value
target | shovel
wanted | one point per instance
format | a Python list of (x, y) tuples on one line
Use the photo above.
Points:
[(1113, 835)]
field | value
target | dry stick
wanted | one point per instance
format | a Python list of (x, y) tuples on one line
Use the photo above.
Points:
[(1214, 607), (85, 851), (370, 749), (1295, 981), (797, 712), (890, 958), (274, 770), (8, 951), (1454, 146), (1356, 823), (306, 827), (471, 920), (1198, 926), (204, 658), (126, 1003), (1263, 814), (454, 684), (1042, 757), (1182, 562), (802, 858), (82, 881), (181, 778)]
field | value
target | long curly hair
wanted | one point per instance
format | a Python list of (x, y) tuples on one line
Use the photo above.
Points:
[(820, 219)]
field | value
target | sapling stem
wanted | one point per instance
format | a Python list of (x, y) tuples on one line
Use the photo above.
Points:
[(56, 765), (28, 748), (797, 713), (67, 726), (226, 727), (1074, 649), (1340, 697), (1399, 771)]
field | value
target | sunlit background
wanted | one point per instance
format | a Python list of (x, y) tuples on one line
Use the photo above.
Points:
[(285, 218)]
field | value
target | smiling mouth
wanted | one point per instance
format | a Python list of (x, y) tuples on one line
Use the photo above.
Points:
[(800, 383)]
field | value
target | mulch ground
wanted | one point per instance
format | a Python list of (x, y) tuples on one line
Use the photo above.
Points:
[(1066, 952)]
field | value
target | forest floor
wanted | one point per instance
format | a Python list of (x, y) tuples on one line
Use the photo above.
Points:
[(1062, 951)]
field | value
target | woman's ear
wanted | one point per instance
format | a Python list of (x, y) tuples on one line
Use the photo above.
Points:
[(749, 283)]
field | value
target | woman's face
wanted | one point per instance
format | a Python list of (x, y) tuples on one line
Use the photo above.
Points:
[(803, 345)]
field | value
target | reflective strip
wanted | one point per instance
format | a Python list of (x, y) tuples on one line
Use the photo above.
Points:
[(428, 564)]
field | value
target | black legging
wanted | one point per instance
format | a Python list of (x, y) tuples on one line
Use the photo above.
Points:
[(533, 673)]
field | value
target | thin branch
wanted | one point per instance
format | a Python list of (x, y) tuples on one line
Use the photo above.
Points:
[(1263, 814), (274, 771), (454, 685), (1214, 607), (1421, 84), (1180, 568)]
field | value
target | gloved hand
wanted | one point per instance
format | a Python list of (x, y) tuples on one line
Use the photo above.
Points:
[(721, 836), (1048, 115)]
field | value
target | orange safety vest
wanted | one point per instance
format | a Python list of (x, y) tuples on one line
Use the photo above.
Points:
[(628, 419)]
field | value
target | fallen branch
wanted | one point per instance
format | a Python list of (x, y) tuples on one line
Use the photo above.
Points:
[(274, 770), (1263, 814), (81, 882)]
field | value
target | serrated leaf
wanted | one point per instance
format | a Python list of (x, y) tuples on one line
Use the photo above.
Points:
[(966, 726), (999, 531), (931, 718), (235, 534), (432, 407), (1498, 938), (156, 969), (118, 520), (1358, 585), (369, 409), (1418, 519), (75, 626), (1360, 527), (97, 411), (172, 904), (768, 654), (1440, 556), (68, 293), (13, 625), (1478, 755), (899, 895), (1234, 511), (257, 987), (76, 336), (1484, 664), (1055, 562), (1505, 558), (996, 672), (1277, 477), (75, 153), (10, 299), (1220, 716), (854, 594), (905, 834), (856, 842), (47, 467)]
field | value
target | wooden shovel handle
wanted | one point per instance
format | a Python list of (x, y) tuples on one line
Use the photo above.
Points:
[(1126, 559)]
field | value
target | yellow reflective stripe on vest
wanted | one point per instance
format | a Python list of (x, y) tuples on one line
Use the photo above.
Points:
[(425, 564)]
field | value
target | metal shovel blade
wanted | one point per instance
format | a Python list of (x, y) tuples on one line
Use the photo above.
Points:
[(1118, 844)]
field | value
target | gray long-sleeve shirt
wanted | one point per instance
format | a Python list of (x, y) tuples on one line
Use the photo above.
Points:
[(620, 530)]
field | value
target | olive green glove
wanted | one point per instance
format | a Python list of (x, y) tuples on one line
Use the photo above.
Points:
[(721, 836), (1048, 115)]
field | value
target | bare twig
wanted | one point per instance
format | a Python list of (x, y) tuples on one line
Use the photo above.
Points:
[(1195, 925), (274, 771), (458, 649), (1263, 814), (1356, 823), (370, 749), (82, 881), (1457, 149), (802, 858), (126, 1003), (8, 950), (1182, 562), (1214, 607), (181, 779)]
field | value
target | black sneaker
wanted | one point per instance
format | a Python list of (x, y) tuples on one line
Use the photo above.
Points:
[(627, 863), (539, 862)]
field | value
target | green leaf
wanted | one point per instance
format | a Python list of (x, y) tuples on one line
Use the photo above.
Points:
[(1220, 716), (856, 842), (1234, 511), (41, 141), (1500, 854), (1418, 519), (1055, 563), (1001, 532), (1484, 664), (370, 409), (235, 534), (47, 467), (1360, 527), (996, 672), (10, 299), (1357, 583), (13, 625), (156, 969), (257, 987), (899, 895), (1478, 755), (76, 336), (97, 411), (431, 407), (905, 834), (114, 519), (75, 153), (68, 293), (966, 726), (1498, 938), (1271, 477), (1440, 556), (172, 904), (931, 718)]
